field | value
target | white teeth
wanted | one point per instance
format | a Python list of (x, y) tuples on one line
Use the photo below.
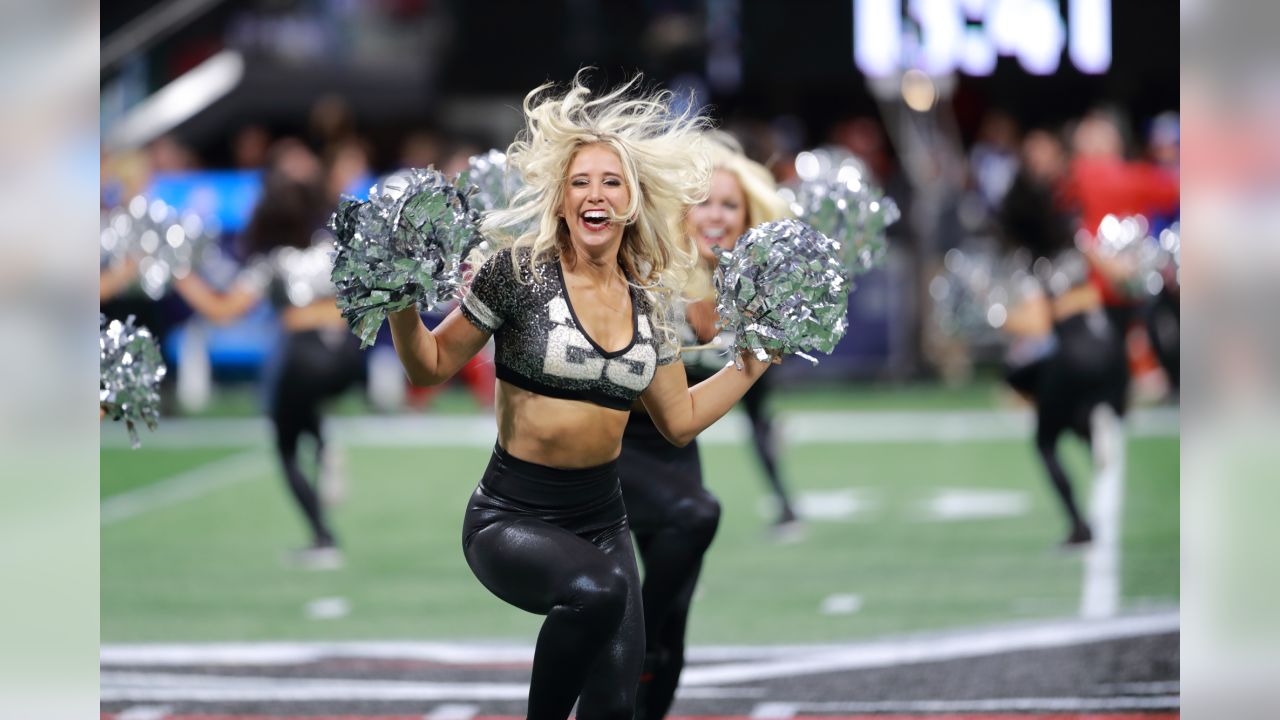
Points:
[(596, 215), (714, 233)]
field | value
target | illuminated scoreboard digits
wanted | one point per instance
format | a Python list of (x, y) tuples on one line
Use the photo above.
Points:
[(945, 36)]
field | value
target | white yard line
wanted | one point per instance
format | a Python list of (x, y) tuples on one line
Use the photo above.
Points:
[(774, 711), (1100, 592), (799, 428), (145, 712), (451, 653), (453, 712), (730, 663), (132, 686), (296, 653), (998, 705), (173, 687), (183, 486), (908, 651)]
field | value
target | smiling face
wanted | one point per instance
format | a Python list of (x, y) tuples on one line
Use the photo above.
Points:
[(594, 193), (722, 218)]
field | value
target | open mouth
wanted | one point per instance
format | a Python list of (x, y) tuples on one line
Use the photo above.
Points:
[(712, 236), (595, 220)]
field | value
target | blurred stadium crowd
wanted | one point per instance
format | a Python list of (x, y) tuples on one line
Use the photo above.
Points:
[(364, 89)]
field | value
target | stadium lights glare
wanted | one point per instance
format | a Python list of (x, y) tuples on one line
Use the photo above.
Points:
[(178, 101), (918, 90)]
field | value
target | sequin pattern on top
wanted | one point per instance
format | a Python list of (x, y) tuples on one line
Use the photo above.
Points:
[(1067, 270), (292, 276), (541, 347)]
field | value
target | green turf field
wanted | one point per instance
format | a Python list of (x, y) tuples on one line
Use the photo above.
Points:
[(122, 471), (244, 399), (210, 568)]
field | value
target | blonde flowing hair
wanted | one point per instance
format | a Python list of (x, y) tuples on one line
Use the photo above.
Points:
[(664, 167), (764, 204)]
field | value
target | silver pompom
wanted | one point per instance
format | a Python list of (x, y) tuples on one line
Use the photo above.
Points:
[(837, 196), (131, 370), (1170, 267), (1143, 259), (782, 289), (402, 247), (975, 291), (167, 243)]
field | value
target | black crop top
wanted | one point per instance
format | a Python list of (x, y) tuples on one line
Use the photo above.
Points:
[(540, 345)]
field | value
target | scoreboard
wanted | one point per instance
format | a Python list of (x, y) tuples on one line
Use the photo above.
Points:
[(940, 37)]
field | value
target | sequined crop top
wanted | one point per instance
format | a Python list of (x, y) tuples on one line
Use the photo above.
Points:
[(1067, 270), (540, 345), (291, 276)]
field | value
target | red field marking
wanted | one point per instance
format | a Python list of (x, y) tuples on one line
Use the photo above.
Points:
[(932, 716), (968, 716)]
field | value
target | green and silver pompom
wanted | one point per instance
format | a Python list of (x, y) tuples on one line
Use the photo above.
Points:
[(131, 371), (404, 246), (783, 290)]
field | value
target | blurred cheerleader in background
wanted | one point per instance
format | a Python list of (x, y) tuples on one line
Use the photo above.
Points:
[(288, 262), (1067, 355), (673, 515)]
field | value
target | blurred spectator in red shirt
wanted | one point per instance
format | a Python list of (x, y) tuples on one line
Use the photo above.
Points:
[(1101, 182)]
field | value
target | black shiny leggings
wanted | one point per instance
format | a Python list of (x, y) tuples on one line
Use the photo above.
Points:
[(1088, 369), (675, 519), (1163, 317), (764, 440), (315, 365), (556, 543)]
